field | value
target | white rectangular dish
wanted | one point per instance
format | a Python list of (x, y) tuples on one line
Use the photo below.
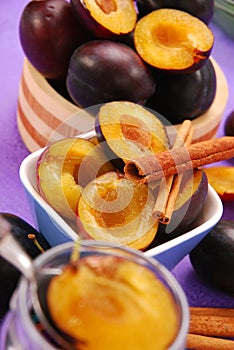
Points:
[(56, 230)]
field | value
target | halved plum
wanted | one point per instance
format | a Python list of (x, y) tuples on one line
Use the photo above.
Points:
[(101, 71), (173, 40), (202, 9), (184, 96), (221, 178), (127, 131), (106, 19), (113, 208), (64, 168)]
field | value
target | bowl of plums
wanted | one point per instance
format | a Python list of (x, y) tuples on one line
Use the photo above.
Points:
[(131, 181), (157, 54)]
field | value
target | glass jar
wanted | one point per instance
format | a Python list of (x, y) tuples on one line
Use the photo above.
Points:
[(21, 329)]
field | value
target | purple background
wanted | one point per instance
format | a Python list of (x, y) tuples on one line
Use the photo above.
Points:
[(13, 151)]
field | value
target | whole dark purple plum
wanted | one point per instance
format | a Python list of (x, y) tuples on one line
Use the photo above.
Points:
[(101, 71), (202, 9), (146, 6), (49, 34), (184, 96), (213, 257), (229, 125)]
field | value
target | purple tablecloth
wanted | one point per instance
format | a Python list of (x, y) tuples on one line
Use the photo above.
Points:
[(13, 151)]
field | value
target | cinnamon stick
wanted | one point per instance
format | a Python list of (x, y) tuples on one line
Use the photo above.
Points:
[(201, 342), (177, 179), (215, 311), (153, 167), (212, 325), (211, 328), (169, 186)]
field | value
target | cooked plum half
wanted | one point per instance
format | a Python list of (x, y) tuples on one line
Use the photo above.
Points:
[(173, 40), (109, 302), (202, 9), (64, 168), (49, 33), (221, 178), (190, 201), (101, 71), (113, 208), (184, 96), (127, 130), (106, 18)]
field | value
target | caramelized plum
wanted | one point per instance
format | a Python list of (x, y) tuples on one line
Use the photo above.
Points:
[(101, 71), (106, 18), (202, 9), (184, 96), (221, 178), (64, 168), (109, 302), (49, 33), (173, 40), (113, 208), (126, 131)]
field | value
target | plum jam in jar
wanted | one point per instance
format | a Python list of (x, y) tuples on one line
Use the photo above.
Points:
[(113, 296)]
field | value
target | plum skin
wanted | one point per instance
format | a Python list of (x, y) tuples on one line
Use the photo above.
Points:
[(184, 96), (101, 71), (189, 212), (49, 33), (229, 125), (212, 258), (202, 9)]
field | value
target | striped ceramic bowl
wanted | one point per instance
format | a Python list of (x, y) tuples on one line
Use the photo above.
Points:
[(41, 111)]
